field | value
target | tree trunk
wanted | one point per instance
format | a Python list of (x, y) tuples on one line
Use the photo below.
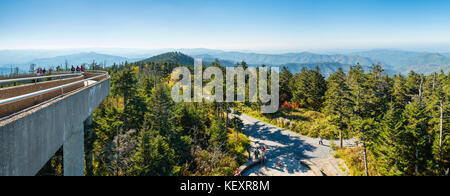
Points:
[(341, 142), (226, 120), (125, 100), (420, 89), (434, 81), (118, 151), (366, 165), (89, 164), (440, 132), (417, 160)]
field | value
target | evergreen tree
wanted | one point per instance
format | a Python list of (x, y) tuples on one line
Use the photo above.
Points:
[(285, 90), (377, 94), (357, 82), (399, 94), (413, 83), (154, 156), (218, 134), (437, 107), (310, 89), (367, 131), (194, 123), (337, 101), (416, 135), (388, 145), (124, 85), (161, 115)]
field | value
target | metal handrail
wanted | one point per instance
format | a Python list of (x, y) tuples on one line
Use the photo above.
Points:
[(4, 101), (38, 77)]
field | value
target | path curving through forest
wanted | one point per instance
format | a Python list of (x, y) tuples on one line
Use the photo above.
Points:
[(284, 147)]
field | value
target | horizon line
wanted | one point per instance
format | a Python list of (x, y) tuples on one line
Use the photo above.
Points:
[(258, 51)]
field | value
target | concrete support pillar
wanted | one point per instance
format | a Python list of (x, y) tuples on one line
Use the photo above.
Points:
[(74, 153), (88, 154), (89, 120)]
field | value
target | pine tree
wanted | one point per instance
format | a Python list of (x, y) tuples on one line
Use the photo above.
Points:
[(388, 145), (218, 134), (161, 110), (337, 101), (376, 95), (413, 83), (154, 156), (437, 102), (124, 84), (285, 90), (357, 81), (310, 89), (366, 133), (399, 94), (416, 135)]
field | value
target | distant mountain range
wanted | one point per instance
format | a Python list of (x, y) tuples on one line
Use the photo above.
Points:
[(280, 59), (81, 58), (4, 71), (394, 61), (177, 57), (74, 59), (403, 61), (446, 54)]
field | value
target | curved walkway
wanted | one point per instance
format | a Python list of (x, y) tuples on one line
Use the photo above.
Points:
[(283, 146)]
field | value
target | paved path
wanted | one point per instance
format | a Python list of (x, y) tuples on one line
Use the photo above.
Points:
[(285, 147)]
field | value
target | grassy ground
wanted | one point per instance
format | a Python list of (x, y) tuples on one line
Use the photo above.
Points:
[(304, 122), (238, 144), (354, 159)]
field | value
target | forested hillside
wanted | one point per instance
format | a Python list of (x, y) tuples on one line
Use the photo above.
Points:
[(171, 57), (401, 122), (139, 131)]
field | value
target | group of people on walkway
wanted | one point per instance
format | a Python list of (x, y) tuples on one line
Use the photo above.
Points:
[(262, 151), (43, 71), (258, 151), (78, 69)]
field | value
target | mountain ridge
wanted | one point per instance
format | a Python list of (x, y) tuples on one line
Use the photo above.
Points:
[(397, 61), (279, 59), (406, 61), (171, 57)]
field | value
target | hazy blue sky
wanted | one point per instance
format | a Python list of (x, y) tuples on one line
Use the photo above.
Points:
[(224, 24)]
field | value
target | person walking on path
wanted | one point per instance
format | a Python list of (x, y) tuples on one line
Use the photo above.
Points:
[(249, 150), (263, 154), (257, 153), (320, 140)]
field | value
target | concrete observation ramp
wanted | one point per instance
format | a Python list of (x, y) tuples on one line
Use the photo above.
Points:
[(16, 106), (33, 129)]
